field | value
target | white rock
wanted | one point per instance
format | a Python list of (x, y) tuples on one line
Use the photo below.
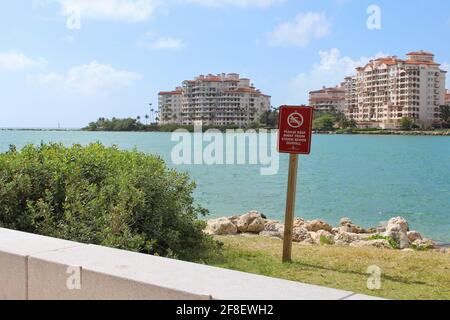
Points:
[(413, 236), (317, 236), (345, 221), (235, 219), (398, 221), (357, 229), (344, 229), (348, 226), (251, 222), (397, 229), (298, 222), (269, 222), (345, 238), (380, 229), (273, 229), (316, 225), (301, 234), (221, 226), (424, 244)]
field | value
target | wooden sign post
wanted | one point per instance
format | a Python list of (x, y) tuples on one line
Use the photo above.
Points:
[(295, 132)]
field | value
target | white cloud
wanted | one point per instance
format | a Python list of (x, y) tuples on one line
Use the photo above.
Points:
[(330, 71), (91, 79), (13, 61), (234, 3), (299, 32), (160, 43), (120, 10)]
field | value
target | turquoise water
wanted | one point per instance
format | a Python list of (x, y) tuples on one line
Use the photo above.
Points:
[(367, 178)]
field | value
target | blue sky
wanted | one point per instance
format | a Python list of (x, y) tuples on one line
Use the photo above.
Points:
[(114, 59)]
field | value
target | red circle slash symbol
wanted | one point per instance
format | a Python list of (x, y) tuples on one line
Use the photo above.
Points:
[(295, 120)]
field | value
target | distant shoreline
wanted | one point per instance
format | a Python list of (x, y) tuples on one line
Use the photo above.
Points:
[(371, 132), (392, 133), (39, 129)]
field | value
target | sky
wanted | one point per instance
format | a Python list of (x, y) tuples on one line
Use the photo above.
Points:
[(69, 62)]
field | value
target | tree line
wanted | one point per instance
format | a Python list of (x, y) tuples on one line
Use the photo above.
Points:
[(323, 122)]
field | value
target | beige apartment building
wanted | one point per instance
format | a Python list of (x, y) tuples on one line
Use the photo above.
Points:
[(328, 99), (224, 99), (447, 98), (170, 106), (388, 89)]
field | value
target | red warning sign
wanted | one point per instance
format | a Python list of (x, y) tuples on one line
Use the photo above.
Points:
[(295, 129)]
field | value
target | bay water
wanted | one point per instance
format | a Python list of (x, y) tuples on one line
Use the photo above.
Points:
[(366, 178)]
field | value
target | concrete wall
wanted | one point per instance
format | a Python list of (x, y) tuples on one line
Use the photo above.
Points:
[(35, 267)]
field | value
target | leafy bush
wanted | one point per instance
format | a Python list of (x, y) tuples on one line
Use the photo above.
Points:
[(135, 125), (406, 124), (128, 124), (103, 196), (324, 241), (419, 248), (324, 123), (394, 244)]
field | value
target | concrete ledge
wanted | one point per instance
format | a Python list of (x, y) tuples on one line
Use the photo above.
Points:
[(35, 267), (15, 248)]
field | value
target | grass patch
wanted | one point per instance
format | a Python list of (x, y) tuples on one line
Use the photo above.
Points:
[(405, 275)]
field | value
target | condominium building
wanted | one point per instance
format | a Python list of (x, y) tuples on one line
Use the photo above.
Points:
[(389, 89), (170, 106), (224, 99), (447, 98), (328, 99)]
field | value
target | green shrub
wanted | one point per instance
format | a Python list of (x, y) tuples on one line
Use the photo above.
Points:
[(406, 124), (105, 196), (324, 241), (419, 248), (394, 244), (324, 123)]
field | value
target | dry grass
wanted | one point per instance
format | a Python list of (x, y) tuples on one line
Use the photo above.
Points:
[(405, 275)]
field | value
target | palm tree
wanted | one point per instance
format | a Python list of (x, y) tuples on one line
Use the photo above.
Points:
[(151, 114), (146, 119)]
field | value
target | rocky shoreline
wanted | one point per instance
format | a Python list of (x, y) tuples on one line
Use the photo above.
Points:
[(395, 235)]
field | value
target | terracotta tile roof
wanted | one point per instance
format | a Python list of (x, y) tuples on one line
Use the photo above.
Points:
[(394, 60), (221, 78), (162, 93), (420, 53), (211, 79), (328, 90)]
